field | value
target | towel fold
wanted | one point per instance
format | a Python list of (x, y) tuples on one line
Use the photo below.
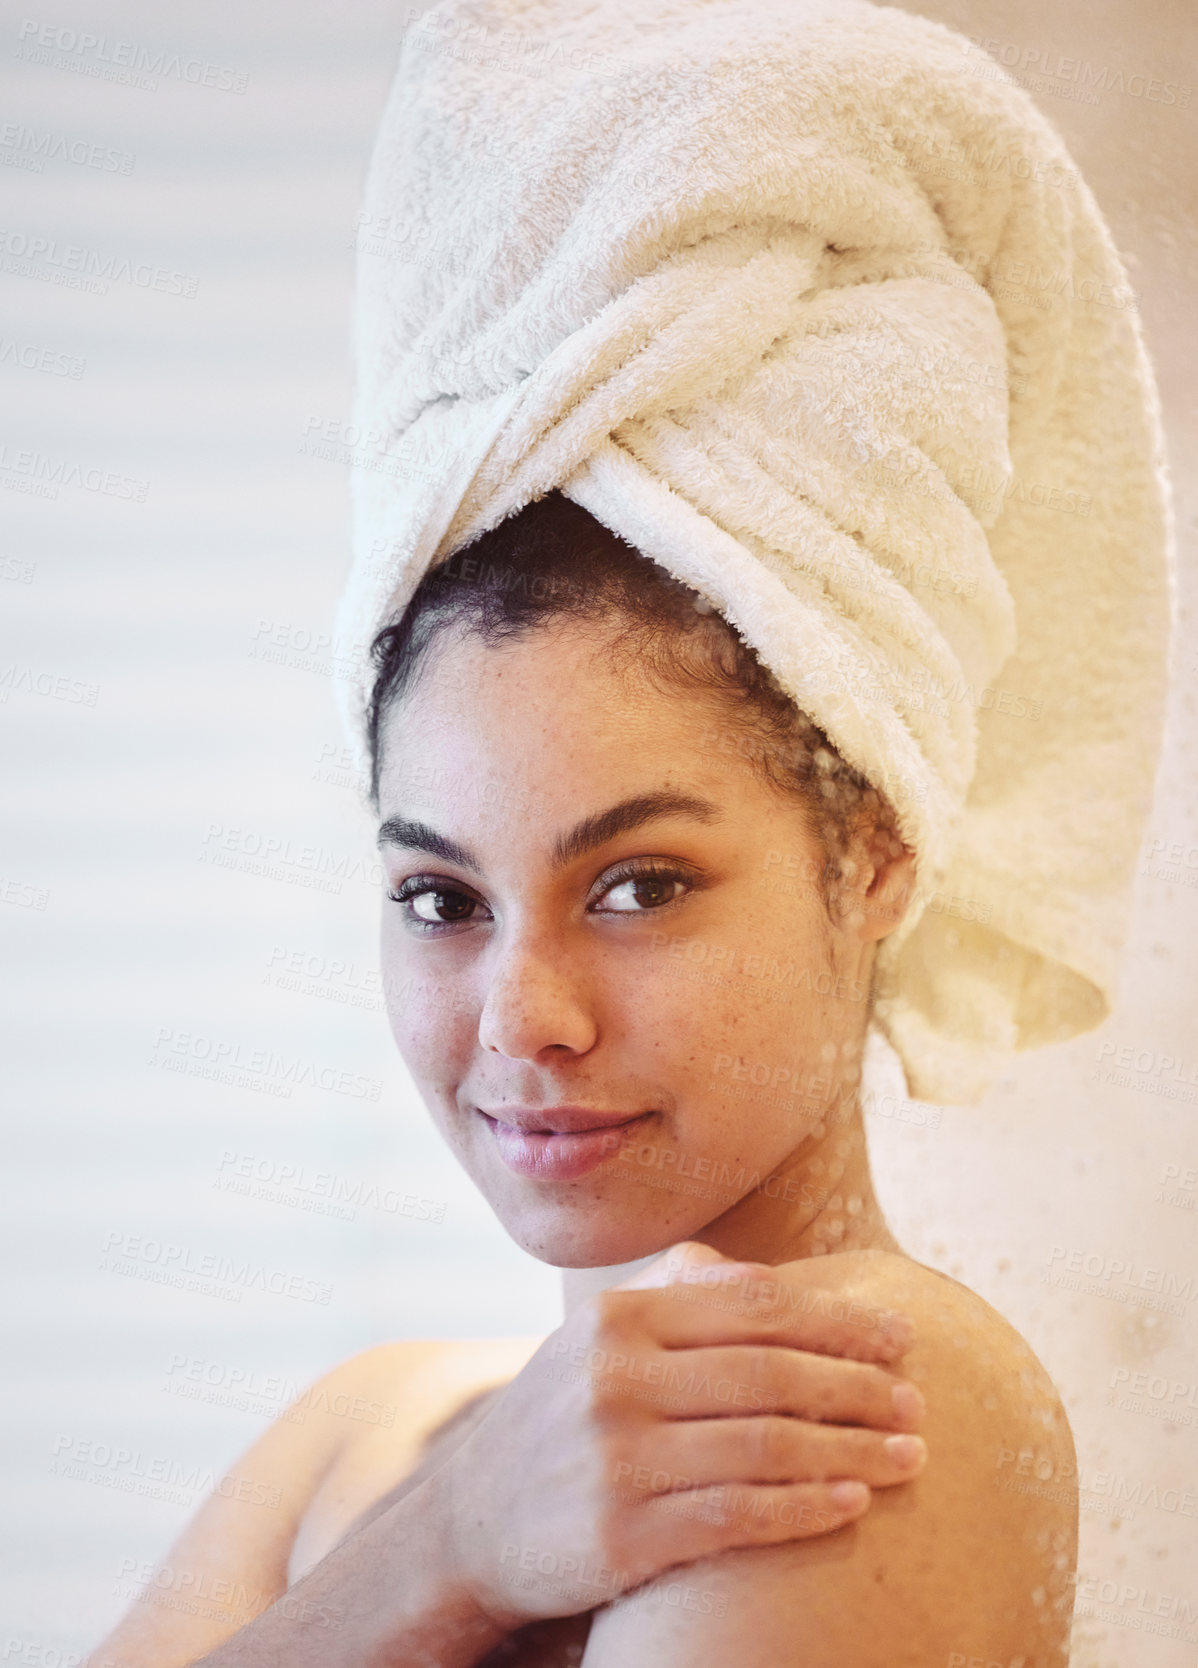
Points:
[(809, 304)]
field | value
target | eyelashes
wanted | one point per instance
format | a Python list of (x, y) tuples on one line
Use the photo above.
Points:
[(432, 904), (436, 893), (647, 876)]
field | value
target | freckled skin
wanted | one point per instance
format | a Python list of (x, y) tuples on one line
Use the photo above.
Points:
[(536, 999), (544, 986), (539, 1000)]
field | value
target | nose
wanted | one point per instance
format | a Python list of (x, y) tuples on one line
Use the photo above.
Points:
[(536, 1001)]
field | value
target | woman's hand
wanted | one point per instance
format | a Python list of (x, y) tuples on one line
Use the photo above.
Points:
[(702, 1405)]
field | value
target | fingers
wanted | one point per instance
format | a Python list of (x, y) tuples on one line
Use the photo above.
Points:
[(750, 1379), (735, 1514), (697, 1453), (710, 1302), (677, 1262)]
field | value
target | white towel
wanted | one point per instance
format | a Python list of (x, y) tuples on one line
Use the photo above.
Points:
[(809, 304)]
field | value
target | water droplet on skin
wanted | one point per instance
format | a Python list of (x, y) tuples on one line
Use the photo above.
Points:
[(1039, 1597), (835, 1228), (854, 1204), (827, 1051), (836, 1202)]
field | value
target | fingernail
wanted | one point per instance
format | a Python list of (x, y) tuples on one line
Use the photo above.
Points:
[(907, 1402), (850, 1495), (906, 1451)]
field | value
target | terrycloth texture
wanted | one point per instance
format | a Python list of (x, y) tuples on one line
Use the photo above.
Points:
[(808, 303)]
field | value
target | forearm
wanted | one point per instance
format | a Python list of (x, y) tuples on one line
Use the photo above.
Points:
[(386, 1595)]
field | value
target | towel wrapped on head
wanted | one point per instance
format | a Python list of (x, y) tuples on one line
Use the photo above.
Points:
[(808, 304)]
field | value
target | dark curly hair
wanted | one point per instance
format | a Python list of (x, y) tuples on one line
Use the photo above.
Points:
[(554, 560)]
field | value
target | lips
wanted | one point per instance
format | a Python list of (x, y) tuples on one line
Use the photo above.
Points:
[(560, 1144), (559, 1120)]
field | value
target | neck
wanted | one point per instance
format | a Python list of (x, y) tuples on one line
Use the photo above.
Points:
[(818, 1201)]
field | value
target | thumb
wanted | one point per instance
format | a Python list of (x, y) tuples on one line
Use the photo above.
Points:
[(676, 1265)]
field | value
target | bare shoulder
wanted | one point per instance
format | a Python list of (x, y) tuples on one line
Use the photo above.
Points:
[(294, 1486), (412, 1394), (958, 1565)]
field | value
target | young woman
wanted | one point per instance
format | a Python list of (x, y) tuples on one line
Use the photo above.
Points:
[(588, 956), (745, 391)]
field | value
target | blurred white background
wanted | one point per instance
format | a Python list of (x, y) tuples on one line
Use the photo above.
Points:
[(166, 677)]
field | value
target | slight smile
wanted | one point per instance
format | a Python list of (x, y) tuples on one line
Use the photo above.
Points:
[(560, 1144)]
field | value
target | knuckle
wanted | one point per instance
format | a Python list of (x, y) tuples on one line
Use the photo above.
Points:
[(614, 1313), (823, 1392), (619, 1469), (876, 1386), (771, 1442), (758, 1364)]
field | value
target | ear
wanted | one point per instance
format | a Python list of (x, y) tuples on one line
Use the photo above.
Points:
[(878, 882)]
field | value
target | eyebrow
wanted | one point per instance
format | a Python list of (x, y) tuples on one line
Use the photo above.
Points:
[(592, 831)]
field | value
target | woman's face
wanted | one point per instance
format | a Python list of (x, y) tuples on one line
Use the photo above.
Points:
[(609, 970)]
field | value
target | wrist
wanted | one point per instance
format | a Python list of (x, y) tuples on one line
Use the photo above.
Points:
[(433, 1595)]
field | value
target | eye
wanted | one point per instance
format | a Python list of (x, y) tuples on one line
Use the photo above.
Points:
[(430, 903), (635, 891)]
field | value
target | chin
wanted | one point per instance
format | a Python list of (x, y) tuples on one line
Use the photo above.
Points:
[(589, 1237)]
